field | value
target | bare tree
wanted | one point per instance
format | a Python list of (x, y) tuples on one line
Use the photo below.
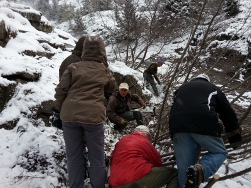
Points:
[(190, 64), (139, 30)]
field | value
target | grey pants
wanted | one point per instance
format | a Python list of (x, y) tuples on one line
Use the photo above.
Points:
[(75, 135), (158, 177), (149, 79)]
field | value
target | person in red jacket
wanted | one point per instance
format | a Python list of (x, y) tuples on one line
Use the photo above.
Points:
[(136, 163)]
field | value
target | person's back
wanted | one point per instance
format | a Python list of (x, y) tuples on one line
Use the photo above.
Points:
[(83, 81), (196, 108), (136, 158), (136, 163), (151, 69), (193, 124)]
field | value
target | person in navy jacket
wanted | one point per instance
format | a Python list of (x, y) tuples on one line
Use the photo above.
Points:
[(193, 123)]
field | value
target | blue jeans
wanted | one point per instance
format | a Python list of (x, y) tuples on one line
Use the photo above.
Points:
[(186, 147)]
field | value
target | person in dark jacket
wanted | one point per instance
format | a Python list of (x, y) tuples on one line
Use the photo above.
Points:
[(74, 57), (151, 72), (193, 123), (135, 163), (79, 99), (119, 108)]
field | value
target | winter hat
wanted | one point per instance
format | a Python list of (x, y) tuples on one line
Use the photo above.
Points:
[(123, 86), (161, 61), (204, 76), (143, 129)]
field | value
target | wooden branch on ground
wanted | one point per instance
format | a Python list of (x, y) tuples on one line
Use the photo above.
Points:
[(212, 181), (235, 174)]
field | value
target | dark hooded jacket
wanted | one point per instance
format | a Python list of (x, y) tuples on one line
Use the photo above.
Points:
[(73, 58), (79, 94), (196, 108), (152, 70)]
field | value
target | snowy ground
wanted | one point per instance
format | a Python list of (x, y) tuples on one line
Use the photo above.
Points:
[(22, 145)]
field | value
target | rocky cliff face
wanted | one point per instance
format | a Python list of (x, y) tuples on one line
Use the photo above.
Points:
[(19, 22), (34, 17)]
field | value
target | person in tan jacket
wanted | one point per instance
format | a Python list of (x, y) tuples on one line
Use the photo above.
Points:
[(79, 99)]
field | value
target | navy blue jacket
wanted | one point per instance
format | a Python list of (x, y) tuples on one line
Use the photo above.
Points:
[(197, 107)]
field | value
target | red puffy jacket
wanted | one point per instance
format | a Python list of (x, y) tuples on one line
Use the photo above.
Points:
[(133, 157)]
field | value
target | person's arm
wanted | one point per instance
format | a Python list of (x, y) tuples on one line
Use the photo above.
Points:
[(228, 117), (138, 100), (156, 78), (111, 110), (62, 89), (226, 112)]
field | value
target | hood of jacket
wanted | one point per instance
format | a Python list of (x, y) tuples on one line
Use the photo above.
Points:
[(79, 47), (94, 50)]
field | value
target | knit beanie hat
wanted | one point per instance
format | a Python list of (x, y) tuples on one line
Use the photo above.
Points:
[(142, 128), (204, 76), (161, 61)]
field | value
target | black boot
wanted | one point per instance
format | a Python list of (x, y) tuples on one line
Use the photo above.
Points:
[(192, 177)]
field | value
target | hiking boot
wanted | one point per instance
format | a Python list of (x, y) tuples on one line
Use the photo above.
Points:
[(200, 174), (194, 176)]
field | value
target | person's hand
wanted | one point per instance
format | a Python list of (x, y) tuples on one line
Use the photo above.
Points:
[(143, 105), (234, 140), (124, 122), (56, 121)]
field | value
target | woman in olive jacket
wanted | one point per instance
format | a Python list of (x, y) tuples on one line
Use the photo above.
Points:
[(79, 99)]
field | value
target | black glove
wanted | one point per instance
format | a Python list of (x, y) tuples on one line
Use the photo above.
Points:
[(234, 139), (56, 121), (158, 82)]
